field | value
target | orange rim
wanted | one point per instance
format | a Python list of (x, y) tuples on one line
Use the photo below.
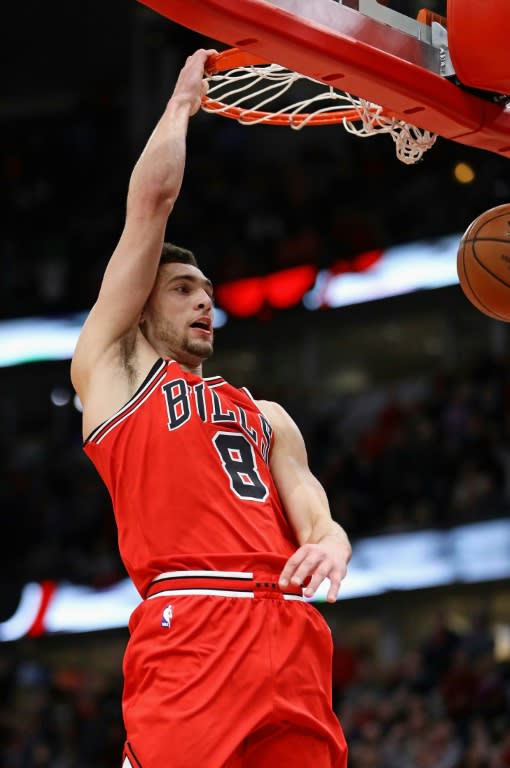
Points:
[(270, 118), (235, 57), (231, 58)]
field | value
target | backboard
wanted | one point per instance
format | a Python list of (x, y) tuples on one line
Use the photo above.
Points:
[(361, 47)]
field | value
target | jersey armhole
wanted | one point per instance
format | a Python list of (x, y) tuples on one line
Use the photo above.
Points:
[(154, 371), (247, 392)]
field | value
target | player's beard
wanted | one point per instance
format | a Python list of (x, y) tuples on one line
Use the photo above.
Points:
[(177, 342), (197, 348), (173, 341)]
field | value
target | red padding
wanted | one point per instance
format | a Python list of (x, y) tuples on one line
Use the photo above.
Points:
[(479, 44)]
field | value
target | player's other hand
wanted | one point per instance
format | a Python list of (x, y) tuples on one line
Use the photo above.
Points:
[(312, 563), (191, 86)]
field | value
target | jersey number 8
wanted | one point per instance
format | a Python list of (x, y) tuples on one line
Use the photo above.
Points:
[(239, 462)]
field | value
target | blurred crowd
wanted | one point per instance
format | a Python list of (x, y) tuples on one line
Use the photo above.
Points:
[(444, 703), (58, 715), (435, 461)]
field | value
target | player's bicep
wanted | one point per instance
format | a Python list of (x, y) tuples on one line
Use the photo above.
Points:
[(302, 495), (288, 459)]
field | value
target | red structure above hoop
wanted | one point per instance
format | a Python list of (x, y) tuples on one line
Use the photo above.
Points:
[(352, 52)]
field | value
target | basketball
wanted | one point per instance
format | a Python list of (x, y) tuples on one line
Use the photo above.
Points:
[(483, 262)]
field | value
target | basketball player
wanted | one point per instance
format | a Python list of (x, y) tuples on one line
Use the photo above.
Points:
[(222, 527)]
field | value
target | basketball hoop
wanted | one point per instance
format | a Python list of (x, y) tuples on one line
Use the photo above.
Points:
[(241, 86)]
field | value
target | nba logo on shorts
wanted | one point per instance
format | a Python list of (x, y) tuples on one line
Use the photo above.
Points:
[(166, 618)]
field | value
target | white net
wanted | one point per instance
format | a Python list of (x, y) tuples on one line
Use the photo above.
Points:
[(244, 93)]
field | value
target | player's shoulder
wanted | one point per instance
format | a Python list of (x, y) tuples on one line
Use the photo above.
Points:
[(274, 413), (270, 405), (285, 429)]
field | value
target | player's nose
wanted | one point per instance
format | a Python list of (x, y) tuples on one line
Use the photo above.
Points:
[(204, 300)]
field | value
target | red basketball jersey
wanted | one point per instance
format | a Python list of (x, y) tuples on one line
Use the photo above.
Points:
[(186, 462)]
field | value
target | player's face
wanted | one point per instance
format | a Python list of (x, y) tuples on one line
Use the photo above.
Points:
[(178, 316)]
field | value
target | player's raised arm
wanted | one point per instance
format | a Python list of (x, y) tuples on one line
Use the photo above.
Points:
[(324, 547), (153, 189)]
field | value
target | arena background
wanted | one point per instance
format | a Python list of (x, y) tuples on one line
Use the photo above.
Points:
[(404, 401)]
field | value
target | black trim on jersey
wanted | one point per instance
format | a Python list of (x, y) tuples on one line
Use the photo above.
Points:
[(144, 383), (133, 755), (247, 392), (267, 431)]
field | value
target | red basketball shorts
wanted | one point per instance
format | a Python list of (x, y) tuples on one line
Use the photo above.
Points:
[(223, 670)]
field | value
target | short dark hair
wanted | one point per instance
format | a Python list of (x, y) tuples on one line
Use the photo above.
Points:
[(174, 254)]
